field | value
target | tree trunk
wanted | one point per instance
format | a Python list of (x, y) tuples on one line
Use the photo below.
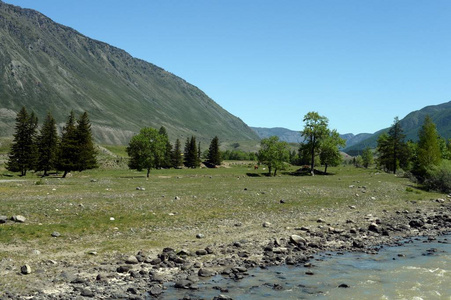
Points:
[(65, 173), (275, 172), (148, 172), (325, 169)]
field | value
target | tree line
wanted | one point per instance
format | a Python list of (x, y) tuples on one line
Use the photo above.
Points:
[(428, 160), (151, 149), (42, 150)]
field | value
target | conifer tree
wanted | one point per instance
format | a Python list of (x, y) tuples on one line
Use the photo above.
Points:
[(167, 161), (23, 154), (86, 152), (47, 146), (191, 159), (68, 147), (429, 153), (214, 155), (177, 159)]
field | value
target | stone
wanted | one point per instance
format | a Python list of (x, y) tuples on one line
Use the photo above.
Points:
[(156, 290), (123, 269), (201, 252), (25, 269), (297, 239), (3, 219), (87, 293), (373, 227), (176, 198), (343, 286), (183, 284), (56, 234), (266, 224), (203, 272), (131, 260), (200, 236), (19, 219)]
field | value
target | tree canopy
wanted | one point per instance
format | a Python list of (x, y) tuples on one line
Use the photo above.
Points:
[(273, 153), (147, 150)]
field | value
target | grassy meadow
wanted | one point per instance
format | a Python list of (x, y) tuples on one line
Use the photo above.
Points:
[(102, 210)]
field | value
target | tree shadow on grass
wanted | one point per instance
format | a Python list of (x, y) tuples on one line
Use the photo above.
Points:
[(306, 172), (132, 177)]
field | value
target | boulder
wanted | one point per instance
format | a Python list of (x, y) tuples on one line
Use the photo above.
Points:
[(131, 260), (19, 219), (297, 239), (3, 219)]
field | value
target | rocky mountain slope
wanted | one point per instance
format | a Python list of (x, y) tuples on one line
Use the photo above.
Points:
[(48, 67)]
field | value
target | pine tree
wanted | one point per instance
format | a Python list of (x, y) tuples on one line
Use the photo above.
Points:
[(167, 161), (47, 146), (23, 154), (86, 152), (177, 158), (214, 155), (191, 159), (68, 147)]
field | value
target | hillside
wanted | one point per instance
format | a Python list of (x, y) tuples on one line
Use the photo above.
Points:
[(411, 124), (292, 136), (46, 66)]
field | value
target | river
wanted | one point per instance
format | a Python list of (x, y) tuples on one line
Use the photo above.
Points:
[(417, 269)]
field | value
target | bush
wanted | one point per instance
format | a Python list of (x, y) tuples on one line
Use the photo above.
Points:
[(438, 178)]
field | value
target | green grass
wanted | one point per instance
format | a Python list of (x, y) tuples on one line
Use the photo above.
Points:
[(80, 207)]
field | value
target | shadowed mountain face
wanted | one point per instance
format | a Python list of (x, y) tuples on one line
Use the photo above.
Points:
[(48, 67)]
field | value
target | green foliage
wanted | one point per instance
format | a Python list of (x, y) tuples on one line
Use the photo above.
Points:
[(147, 150), (238, 155), (438, 177), (367, 157), (273, 154), (47, 146), (315, 130), (428, 152), (86, 152), (68, 148), (167, 161), (177, 158), (330, 150), (23, 154), (191, 157), (392, 150), (214, 155)]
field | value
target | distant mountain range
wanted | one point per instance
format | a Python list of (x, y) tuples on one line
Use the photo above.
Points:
[(48, 67), (291, 136), (411, 124)]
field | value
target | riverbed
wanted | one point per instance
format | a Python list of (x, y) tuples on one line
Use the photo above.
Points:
[(416, 268)]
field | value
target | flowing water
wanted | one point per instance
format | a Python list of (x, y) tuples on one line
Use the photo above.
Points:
[(417, 269)]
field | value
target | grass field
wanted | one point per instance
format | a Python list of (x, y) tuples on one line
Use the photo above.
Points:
[(174, 205)]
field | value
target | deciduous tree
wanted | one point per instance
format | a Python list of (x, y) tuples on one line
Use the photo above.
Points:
[(330, 149), (428, 152), (146, 150), (315, 130), (273, 153)]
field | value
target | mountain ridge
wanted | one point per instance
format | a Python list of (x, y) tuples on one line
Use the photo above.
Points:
[(46, 66)]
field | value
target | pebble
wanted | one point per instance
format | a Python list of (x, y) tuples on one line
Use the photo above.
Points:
[(56, 234), (25, 269)]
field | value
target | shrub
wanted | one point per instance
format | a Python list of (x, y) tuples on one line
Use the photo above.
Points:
[(438, 178)]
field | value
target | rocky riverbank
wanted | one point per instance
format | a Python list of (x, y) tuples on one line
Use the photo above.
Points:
[(146, 274)]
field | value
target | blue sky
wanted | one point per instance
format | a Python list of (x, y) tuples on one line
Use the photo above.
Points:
[(359, 63)]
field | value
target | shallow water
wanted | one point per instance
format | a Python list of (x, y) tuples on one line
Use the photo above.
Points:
[(415, 270)]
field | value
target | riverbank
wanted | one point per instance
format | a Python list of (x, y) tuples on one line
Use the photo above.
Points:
[(233, 224)]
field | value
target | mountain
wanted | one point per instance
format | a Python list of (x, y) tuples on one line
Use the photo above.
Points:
[(48, 67), (291, 136), (286, 135), (411, 124)]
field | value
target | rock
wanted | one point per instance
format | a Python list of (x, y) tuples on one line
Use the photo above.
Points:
[(176, 198), (200, 236), (352, 207), (358, 244), (19, 219), (266, 224), (3, 219), (201, 252), (25, 269), (183, 284), (123, 269), (156, 290), (297, 239), (416, 223), (56, 234), (87, 293), (222, 297), (343, 286), (131, 260), (320, 221), (282, 201), (373, 227), (203, 272)]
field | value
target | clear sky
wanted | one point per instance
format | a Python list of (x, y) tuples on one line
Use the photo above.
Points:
[(359, 63)]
